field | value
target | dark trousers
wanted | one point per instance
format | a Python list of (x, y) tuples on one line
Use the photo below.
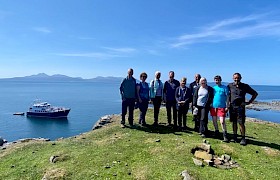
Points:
[(143, 107), (171, 105), (157, 103), (203, 119), (182, 114), (128, 103)]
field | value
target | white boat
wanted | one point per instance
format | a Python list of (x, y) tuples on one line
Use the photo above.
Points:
[(44, 109)]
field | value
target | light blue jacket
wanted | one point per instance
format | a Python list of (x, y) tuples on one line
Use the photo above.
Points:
[(154, 86)]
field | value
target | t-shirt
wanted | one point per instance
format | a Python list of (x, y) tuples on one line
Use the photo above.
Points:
[(220, 96), (202, 96)]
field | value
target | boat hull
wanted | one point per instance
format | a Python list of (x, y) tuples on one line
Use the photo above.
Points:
[(57, 114)]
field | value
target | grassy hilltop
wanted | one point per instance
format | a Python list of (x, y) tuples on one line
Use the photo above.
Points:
[(139, 152)]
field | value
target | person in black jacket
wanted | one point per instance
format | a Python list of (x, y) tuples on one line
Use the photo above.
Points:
[(169, 89), (202, 100), (237, 102), (192, 87)]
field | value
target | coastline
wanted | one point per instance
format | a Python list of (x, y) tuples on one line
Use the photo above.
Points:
[(107, 119), (261, 106)]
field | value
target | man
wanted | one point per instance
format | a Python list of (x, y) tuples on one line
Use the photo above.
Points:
[(237, 102), (192, 87), (169, 89), (219, 106), (128, 93)]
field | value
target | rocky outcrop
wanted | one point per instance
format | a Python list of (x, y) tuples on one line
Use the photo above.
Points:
[(261, 106), (103, 121), (204, 155), (1, 141), (20, 141)]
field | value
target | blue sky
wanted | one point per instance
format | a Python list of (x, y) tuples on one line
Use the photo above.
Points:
[(89, 38)]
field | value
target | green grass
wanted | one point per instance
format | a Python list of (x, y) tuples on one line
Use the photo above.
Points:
[(133, 153)]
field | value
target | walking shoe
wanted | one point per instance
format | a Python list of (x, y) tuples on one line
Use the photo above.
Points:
[(144, 123), (203, 135), (243, 142), (234, 139), (225, 139), (155, 124)]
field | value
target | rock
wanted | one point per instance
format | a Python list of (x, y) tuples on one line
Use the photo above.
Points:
[(209, 162), (186, 175), (203, 155), (197, 162), (205, 147), (217, 162), (226, 158), (53, 159), (1, 141), (223, 167)]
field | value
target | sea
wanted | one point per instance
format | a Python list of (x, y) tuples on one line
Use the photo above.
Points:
[(88, 102)]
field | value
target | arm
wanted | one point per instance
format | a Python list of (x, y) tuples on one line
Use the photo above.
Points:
[(138, 93), (176, 94), (228, 97), (253, 93), (164, 91), (121, 89), (194, 103)]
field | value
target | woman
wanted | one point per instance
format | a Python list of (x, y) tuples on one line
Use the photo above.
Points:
[(202, 99), (143, 97), (156, 95), (183, 97)]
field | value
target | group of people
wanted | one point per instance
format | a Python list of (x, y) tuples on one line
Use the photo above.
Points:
[(200, 97)]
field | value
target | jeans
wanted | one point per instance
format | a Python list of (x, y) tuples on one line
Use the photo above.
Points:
[(128, 103), (169, 105), (203, 119), (143, 107), (157, 103), (182, 114)]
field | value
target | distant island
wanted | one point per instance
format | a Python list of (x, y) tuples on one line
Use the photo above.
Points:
[(42, 77)]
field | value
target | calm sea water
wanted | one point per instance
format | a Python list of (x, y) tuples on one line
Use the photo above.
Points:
[(88, 102)]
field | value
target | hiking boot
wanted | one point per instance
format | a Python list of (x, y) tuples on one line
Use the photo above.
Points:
[(243, 142)]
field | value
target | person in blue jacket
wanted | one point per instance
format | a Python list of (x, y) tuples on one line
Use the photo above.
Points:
[(156, 95), (143, 97), (128, 94)]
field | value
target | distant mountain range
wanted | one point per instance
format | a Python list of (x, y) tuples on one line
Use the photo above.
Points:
[(41, 77)]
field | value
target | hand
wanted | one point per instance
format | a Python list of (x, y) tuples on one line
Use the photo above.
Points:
[(226, 110)]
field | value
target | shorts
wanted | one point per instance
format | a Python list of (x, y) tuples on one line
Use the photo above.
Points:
[(220, 112), (237, 114)]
